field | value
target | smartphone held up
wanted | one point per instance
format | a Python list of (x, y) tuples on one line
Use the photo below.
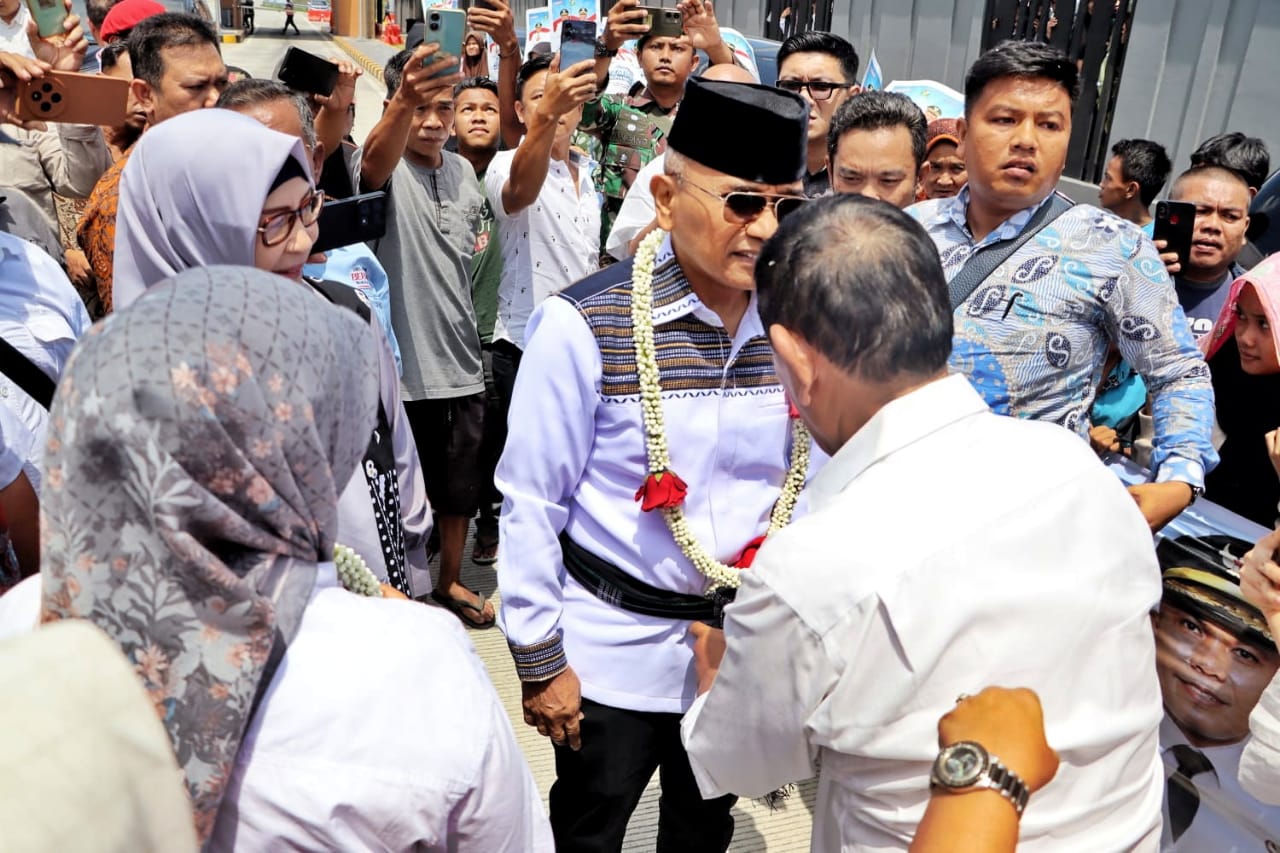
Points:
[(577, 42), (448, 29), (49, 16), (73, 98)]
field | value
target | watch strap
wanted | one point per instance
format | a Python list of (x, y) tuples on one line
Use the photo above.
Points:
[(603, 51), (1009, 784)]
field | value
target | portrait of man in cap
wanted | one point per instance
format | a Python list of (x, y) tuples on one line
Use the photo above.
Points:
[(1214, 658), (648, 393)]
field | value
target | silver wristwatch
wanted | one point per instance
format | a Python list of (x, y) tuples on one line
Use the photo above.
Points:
[(966, 766)]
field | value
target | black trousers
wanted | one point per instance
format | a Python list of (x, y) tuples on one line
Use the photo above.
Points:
[(597, 788), (495, 436)]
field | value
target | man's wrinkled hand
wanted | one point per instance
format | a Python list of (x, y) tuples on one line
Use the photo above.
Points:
[(1161, 503), (554, 708)]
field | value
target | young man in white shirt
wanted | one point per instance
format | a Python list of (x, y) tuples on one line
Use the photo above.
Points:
[(934, 561), (598, 589)]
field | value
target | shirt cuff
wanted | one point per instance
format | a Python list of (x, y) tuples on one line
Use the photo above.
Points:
[(541, 661), (1176, 468), (80, 132)]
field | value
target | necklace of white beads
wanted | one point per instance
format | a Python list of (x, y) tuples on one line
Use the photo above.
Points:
[(718, 574)]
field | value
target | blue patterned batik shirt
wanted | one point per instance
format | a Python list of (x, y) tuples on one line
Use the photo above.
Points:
[(1032, 338)]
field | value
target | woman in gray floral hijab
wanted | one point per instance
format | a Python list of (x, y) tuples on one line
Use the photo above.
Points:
[(197, 447)]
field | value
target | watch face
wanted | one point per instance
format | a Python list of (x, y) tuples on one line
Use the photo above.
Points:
[(961, 765)]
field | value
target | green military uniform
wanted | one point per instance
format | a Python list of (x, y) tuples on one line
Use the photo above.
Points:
[(622, 135)]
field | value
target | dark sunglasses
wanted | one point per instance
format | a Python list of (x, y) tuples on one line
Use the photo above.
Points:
[(818, 89), (743, 207)]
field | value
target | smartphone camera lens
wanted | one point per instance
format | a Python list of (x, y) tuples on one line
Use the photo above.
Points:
[(47, 87)]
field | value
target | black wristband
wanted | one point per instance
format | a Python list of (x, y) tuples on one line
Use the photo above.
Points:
[(603, 51)]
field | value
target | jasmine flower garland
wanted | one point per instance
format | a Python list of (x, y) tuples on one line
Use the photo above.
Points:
[(662, 488), (354, 573)]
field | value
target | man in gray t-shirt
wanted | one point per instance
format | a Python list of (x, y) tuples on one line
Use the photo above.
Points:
[(435, 208)]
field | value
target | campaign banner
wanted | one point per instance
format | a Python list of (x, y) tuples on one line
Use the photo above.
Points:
[(937, 100), (537, 27), (574, 10), (1213, 664), (742, 51)]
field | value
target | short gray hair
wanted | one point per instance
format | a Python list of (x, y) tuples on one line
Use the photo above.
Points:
[(246, 94)]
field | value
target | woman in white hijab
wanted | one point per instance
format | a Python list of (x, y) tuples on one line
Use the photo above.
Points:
[(214, 187)]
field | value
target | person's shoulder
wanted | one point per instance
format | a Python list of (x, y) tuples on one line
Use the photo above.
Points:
[(599, 287)]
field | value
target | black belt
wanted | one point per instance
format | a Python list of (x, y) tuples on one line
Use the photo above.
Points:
[(613, 586)]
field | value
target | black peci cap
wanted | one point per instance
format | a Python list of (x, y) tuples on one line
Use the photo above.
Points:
[(756, 133)]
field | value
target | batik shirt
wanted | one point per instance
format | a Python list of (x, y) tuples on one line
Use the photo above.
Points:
[(1033, 337)]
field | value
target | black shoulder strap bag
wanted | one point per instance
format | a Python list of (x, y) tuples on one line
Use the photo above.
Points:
[(25, 375), (986, 260)]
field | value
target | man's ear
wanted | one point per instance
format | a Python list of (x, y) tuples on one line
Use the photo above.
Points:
[(1132, 189), (798, 363), (664, 191), (520, 112), (144, 96), (962, 133)]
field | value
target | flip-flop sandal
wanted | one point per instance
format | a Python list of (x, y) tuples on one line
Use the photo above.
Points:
[(484, 553), (460, 608)]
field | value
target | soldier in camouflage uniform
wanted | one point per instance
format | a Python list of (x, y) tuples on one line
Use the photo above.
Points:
[(622, 134)]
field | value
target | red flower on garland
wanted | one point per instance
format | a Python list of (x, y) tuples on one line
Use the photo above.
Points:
[(663, 490), (748, 555), (792, 411)]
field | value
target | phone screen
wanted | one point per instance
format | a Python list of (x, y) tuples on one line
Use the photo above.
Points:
[(577, 42)]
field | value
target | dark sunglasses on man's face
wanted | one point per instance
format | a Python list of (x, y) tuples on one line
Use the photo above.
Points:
[(743, 207), (819, 90)]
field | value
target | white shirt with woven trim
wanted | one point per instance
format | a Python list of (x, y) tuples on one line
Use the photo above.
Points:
[(946, 549), (573, 461), (546, 247)]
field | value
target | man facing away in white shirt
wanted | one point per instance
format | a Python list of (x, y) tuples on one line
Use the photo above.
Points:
[(946, 549)]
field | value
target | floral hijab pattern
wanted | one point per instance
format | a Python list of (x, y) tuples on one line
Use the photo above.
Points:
[(1265, 278), (197, 446)]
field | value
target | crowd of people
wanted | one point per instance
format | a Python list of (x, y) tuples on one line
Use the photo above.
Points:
[(786, 415)]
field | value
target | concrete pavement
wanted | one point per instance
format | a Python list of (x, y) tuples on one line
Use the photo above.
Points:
[(783, 830)]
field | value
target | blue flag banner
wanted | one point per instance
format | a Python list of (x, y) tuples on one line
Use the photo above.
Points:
[(872, 78)]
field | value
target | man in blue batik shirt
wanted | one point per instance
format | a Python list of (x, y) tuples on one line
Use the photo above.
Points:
[(1033, 336)]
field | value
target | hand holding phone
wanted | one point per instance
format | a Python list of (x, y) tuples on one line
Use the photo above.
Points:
[(626, 20), (448, 29), (49, 16), (664, 22), (577, 42), (306, 72), (73, 98), (1175, 226), (346, 221), (567, 88)]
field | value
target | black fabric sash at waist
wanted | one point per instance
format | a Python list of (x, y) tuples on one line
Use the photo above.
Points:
[(613, 586)]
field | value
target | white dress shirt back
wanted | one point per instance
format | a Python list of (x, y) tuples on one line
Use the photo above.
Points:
[(946, 549)]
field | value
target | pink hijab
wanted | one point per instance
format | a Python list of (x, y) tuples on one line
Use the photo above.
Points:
[(1265, 278)]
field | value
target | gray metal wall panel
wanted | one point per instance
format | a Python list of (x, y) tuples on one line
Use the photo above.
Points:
[(1195, 69)]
